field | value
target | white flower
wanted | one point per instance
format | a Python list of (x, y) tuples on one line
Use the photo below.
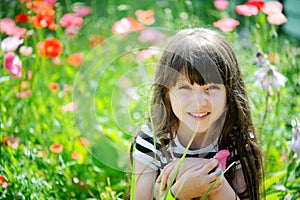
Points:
[(269, 76), (295, 143), (11, 43)]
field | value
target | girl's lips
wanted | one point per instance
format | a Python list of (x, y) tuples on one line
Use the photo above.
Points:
[(199, 115)]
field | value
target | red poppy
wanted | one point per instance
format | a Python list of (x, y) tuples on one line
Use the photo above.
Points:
[(258, 3), (2, 179), (56, 148), (53, 86), (51, 47), (45, 14), (22, 18), (75, 59)]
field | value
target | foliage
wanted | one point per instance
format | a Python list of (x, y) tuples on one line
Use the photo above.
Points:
[(57, 143)]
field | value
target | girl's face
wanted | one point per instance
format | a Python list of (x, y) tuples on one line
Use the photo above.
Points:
[(197, 107)]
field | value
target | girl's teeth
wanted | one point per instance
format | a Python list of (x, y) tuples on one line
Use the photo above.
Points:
[(198, 114)]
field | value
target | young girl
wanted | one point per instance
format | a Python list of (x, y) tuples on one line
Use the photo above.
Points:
[(200, 103)]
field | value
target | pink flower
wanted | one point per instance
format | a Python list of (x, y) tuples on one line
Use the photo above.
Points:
[(25, 50), (125, 25), (70, 19), (277, 18), (24, 94), (13, 64), (226, 24), (75, 156), (246, 10), (50, 2), (7, 26), (145, 54), (221, 156), (151, 35), (272, 7), (10, 44), (83, 11), (71, 31), (70, 107), (145, 16), (12, 141), (221, 4)]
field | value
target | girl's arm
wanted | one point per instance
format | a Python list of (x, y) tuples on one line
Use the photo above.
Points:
[(144, 180)]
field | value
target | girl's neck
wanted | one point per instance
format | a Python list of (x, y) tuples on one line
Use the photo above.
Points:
[(201, 140)]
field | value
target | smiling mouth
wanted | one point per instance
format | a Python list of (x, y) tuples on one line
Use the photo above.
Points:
[(199, 114)]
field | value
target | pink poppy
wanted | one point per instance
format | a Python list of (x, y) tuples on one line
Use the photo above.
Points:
[(13, 64), (83, 11), (75, 156), (71, 31), (70, 19), (56, 148), (145, 54), (70, 107), (24, 94), (226, 24), (3, 183), (221, 4), (12, 141), (7, 26), (151, 35), (145, 16), (25, 50), (277, 18), (221, 156), (50, 2), (272, 7), (246, 10), (10, 43), (125, 25)]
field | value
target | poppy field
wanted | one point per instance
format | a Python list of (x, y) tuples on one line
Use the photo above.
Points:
[(75, 80)]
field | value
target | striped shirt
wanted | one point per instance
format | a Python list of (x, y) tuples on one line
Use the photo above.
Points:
[(153, 154)]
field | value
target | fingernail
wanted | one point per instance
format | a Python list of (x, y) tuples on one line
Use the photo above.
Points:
[(219, 173)]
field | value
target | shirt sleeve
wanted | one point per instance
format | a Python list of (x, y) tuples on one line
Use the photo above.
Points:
[(147, 149)]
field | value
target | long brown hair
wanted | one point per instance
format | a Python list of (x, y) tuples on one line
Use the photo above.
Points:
[(204, 56)]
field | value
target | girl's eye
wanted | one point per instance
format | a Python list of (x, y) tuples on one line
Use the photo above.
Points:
[(185, 87), (212, 87)]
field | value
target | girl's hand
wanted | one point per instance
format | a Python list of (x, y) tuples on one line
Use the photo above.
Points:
[(196, 181), (165, 177)]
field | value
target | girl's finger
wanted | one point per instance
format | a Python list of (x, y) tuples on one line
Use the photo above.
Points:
[(165, 173), (212, 164)]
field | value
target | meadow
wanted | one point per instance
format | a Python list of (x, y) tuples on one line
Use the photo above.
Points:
[(75, 80)]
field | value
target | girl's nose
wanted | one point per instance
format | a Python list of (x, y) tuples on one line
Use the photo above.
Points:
[(200, 98)]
